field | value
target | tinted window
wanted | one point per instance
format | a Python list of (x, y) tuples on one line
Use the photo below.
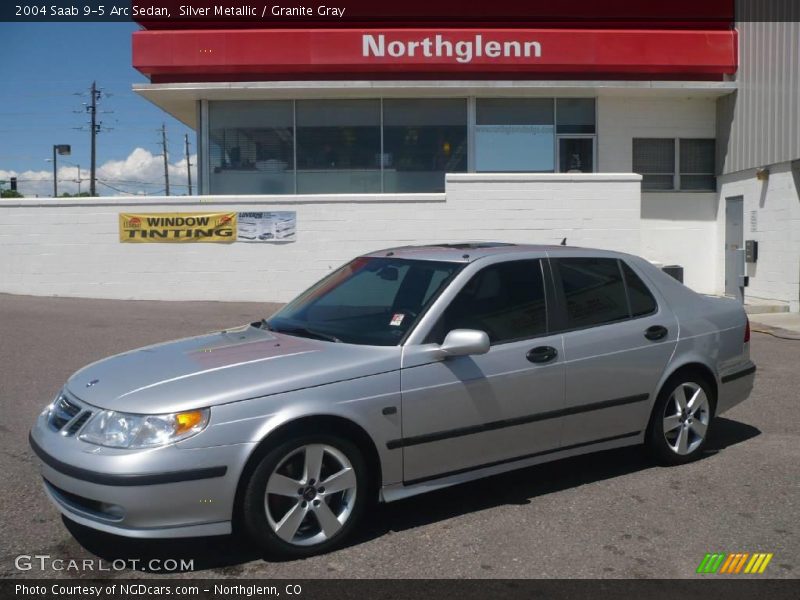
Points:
[(642, 301), (368, 301), (593, 290), (505, 300)]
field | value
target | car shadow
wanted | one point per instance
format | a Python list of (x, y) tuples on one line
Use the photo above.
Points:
[(225, 554)]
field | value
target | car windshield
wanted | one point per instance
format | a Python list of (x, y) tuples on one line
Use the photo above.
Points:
[(370, 301)]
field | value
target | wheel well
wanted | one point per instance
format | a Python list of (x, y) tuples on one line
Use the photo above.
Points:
[(701, 370), (698, 369), (305, 425)]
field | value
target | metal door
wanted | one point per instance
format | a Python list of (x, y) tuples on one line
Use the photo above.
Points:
[(734, 247), (469, 412)]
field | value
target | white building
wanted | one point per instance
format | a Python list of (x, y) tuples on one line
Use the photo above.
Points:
[(670, 130)]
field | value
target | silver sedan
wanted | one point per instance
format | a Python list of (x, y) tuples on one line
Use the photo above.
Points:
[(405, 371)]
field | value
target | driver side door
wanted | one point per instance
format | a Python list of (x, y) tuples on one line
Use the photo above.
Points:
[(467, 412)]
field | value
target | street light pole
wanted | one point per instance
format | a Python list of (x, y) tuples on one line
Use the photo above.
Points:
[(63, 150), (55, 173)]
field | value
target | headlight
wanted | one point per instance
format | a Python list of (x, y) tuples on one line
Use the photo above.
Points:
[(124, 430)]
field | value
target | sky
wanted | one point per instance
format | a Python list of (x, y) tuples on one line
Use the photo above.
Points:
[(46, 70)]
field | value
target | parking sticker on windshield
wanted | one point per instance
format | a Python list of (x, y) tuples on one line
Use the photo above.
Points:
[(397, 319)]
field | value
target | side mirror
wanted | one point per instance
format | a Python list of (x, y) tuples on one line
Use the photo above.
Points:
[(464, 342)]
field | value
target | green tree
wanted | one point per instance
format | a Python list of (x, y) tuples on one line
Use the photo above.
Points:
[(10, 194)]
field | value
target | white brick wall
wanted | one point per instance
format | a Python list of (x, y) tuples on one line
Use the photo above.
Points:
[(776, 275), (72, 248), (620, 119), (677, 227)]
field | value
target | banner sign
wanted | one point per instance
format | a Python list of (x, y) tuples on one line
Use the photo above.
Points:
[(267, 226), (225, 227), (177, 227), (236, 54)]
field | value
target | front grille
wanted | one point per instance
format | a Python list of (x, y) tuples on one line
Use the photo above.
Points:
[(76, 424), (68, 415), (63, 412)]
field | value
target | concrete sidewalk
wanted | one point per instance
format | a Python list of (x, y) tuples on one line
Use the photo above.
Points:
[(782, 324)]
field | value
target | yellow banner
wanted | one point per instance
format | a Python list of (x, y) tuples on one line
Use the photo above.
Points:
[(177, 227)]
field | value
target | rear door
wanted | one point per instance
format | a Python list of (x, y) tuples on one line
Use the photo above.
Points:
[(618, 339)]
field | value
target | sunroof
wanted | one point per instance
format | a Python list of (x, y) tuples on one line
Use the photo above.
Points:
[(474, 245)]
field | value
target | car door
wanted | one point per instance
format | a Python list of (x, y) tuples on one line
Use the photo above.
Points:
[(617, 342), (466, 412)]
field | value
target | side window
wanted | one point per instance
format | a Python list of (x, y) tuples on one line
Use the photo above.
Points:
[(506, 300), (642, 301), (593, 290)]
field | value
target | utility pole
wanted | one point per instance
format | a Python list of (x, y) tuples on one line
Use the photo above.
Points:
[(188, 164), (166, 158), (94, 129)]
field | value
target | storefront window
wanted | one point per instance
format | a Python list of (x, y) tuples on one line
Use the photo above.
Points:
[(338, 146), (423, 140), (400, 145), (575, 154), (251, 147), (575, 115), (514, 135)]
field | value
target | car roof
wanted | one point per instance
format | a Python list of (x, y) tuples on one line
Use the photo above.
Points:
[(472, 251)]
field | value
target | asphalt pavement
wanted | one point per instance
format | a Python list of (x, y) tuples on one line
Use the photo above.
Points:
[(611, 514)]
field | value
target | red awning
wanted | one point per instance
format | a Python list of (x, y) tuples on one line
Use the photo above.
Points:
[(253, 54)]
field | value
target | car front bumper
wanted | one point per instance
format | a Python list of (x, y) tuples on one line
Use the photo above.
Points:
[(153, 493)]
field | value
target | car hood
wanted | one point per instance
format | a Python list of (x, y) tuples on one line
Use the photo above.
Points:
[(222, 367)]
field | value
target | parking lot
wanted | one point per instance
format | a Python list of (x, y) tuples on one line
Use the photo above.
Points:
[(612, 514)]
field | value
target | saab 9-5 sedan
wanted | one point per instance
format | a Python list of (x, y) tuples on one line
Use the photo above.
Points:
[(404, 371)]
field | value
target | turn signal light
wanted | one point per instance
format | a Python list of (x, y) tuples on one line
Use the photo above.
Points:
[(187, 420)]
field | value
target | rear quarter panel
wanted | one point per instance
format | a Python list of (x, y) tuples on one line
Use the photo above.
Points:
[(711, 329)]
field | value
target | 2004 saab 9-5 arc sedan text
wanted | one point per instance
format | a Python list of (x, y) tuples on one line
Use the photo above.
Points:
[(404, 371)]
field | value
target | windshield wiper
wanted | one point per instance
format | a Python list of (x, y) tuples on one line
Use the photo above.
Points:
[(310, 333)]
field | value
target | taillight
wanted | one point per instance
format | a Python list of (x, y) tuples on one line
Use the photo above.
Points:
[(747, 330)]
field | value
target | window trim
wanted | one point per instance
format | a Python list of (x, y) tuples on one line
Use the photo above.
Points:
[(560, 310)]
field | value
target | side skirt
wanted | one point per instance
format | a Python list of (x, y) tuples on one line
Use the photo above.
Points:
[(399, 491)]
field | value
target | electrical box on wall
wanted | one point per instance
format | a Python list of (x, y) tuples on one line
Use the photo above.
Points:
[(750, 251)]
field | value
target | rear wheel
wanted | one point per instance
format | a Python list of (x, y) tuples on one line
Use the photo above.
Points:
[(305, 496), (681, 419)]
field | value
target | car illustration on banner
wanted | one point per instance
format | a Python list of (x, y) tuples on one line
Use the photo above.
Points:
[(404, 371), (267, 226)]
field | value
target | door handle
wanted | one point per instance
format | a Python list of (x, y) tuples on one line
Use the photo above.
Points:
[(656, 332), (541, 354)]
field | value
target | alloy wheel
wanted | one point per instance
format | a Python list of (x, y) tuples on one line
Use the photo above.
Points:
[(310, 495), (686, 418)]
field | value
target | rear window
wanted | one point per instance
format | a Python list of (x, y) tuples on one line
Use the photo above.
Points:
[(597, 291), (594, 291), (642, 301)]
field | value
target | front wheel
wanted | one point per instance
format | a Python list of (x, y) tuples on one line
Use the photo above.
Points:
[(305, 496), (681, 420)]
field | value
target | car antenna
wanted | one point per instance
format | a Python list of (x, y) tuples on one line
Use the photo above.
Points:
[(564, 242)]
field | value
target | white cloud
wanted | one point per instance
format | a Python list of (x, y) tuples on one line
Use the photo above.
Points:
[(140, 173)]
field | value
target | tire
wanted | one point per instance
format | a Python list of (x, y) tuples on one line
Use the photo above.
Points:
[(677, 435), (286, 511)]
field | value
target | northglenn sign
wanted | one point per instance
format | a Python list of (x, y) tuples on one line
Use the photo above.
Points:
[(263, 54), (437, 46)]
